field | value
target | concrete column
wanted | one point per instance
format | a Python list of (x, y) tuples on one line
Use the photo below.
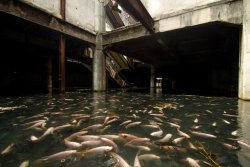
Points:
[(152, 77), (49, 74), (244, 73), (99, 62)]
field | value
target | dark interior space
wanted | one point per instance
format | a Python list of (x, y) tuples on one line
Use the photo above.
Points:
[(26, 49), (194, 60), (138, 76)]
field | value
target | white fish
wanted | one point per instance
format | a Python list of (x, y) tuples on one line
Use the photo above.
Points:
[(125, 122), (40, 123), (119, 160), (93, 127), (110, 137), (58, 156), (25, 163), (112, 120), (229, 146), (127, 136), (214, 124), (173, 125), (71, 144), (62, 127), (138, 141), (208, 111), (229, 115), (34, 122), (159, 115), (97, 150), (243, 143), (150, 126), (227, 122), (46, 133), (166, 138), (191, 146), (148, 157), (142, 148), (8, 149), (88, 137), (132, 124), (178, 140), (135, 116), (192, 162), (205, 135), (235, 133), (157, 133), (158, 119), (196, 120), (74, 135), (182, 133), (111, 143), (92, 143), (137, 161)]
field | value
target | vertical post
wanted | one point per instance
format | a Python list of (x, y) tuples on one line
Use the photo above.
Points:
[(99, 62), (152, 77), (49, 74), (244, 73), (62, 44), (63, 7)]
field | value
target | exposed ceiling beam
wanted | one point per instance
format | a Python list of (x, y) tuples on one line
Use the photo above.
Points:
[(31, 14)]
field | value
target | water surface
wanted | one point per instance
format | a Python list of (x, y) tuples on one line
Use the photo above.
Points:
[(226, 118)]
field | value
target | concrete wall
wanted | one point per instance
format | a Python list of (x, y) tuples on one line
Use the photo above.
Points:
[(157, 8), (49, 6), (81, 13), (78, 12)]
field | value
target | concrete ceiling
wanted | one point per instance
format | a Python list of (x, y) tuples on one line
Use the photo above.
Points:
[(192, 45)]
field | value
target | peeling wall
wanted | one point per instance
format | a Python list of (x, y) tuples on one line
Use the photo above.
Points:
[(230, 13), (78, 12), (49, 6), (81, 13), (157, 8)]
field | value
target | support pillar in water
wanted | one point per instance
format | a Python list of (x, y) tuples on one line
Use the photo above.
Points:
[(244, 73), (99, 62), (61, 76), (49, 74), (152, 77)]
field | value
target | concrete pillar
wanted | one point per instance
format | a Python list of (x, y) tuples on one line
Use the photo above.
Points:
[(62, 46), (49, 74), (244, 73), (99, 62), (152, 77)]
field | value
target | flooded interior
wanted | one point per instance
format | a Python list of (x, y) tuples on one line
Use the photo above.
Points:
[(121, 128)]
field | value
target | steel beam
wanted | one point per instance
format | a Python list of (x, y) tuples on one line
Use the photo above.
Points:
[(31, 14)]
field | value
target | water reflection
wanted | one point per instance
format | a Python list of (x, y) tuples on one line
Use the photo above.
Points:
[(244, 129)]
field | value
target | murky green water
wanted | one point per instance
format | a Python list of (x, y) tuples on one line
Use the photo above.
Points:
[(227, 119)]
